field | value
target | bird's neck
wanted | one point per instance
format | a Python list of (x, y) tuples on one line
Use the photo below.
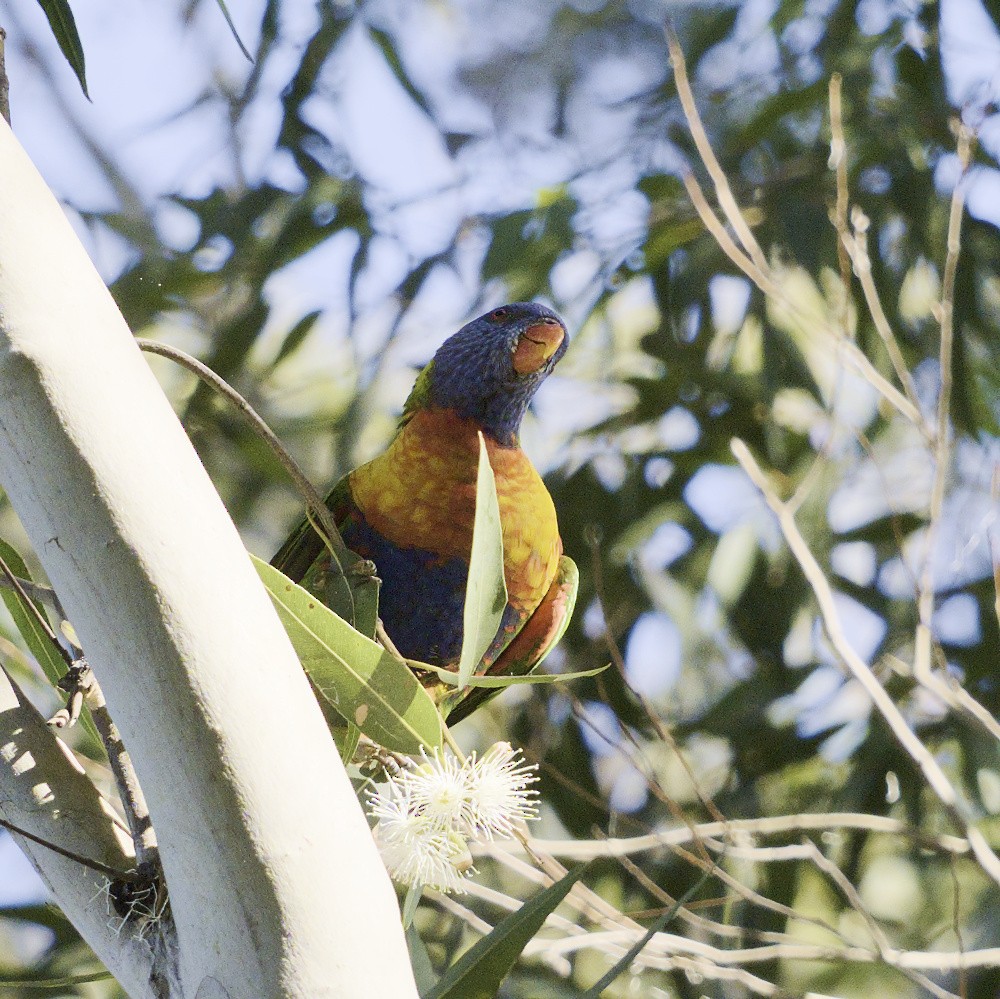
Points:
[(448, 437), (452, 431), (421, 492), (498, 415)]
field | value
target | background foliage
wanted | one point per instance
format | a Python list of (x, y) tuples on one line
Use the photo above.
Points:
[(390, 169)]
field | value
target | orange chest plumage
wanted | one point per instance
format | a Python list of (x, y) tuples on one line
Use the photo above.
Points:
[(421, 493)]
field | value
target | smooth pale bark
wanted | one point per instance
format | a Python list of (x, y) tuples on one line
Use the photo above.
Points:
[(275, 885)]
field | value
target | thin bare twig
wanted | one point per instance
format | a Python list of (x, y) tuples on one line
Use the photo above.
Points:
[(132, 798), (828, 334), (94, 865), (668, 944), (856, 244), (838, 163), (774, 825), (860, 670), (942, 436), (807, 850), (853, 249), (17, 585), (722, 929), (722, 189), (37, 591), (710, 867), (995, 543), (314, 501), (837, 876), (661, 730), (956, 922)]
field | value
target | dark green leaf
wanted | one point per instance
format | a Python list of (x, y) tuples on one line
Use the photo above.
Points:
[(63, 26), (481, 969), (39, 644), (232, 28), (623, 963), (60, 983), (388, 49), (423, 970)]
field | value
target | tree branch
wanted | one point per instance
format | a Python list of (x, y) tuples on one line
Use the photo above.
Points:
[(45, 793)]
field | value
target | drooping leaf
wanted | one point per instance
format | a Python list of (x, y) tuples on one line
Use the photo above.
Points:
[(232, 27), (451, 678), (55, 985), (63, 26), (411, 904), (420, 961), (362, 682), (295, 337), (388, 49), (39, 644), (625, 961), (486, 592), (481, 969)]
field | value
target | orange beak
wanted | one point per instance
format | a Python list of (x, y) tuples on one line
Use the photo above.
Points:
[(536, 345)]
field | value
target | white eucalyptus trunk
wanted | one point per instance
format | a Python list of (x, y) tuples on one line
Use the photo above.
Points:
[(275, 886)]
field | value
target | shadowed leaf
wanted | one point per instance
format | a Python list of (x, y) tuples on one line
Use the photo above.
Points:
[(481, 969)]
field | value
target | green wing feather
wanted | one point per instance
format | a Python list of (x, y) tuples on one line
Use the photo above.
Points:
[(304, 545), (340, 578)]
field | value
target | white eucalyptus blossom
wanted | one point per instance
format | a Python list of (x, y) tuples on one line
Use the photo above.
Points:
[(415, 848), (499, 797), (429, 812), (439, 789)]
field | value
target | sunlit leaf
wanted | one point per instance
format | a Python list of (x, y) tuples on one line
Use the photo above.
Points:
[(498, 682), (39, 644), (486, 592), (362, 682), (483, 967)]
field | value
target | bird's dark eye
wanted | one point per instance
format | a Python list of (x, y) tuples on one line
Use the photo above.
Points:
[(498, 314)]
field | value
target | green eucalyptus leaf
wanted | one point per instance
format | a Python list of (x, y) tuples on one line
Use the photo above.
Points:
[(420, 961), (389, 52), (362, 682), (38, 642), (483, 967), (451, 678), (485, 592), (232, 28), (625, 961), (40, 645), (63, 26), (411, 903)]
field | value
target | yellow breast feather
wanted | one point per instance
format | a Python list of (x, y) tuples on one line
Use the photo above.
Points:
[(421, 494)]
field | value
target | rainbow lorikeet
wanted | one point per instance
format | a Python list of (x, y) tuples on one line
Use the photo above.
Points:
[(410, 510)]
